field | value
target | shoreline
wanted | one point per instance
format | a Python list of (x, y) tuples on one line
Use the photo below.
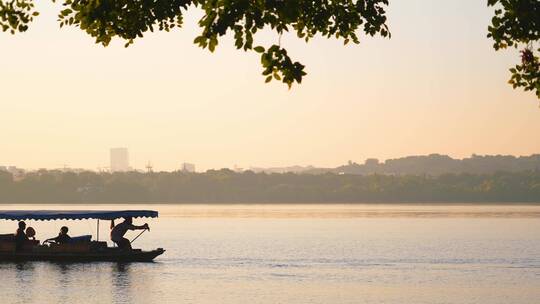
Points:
[(289, 203), (310, 211)]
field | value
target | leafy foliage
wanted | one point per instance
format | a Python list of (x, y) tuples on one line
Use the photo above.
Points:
[(517, 24), (16, 14), (130, 19)]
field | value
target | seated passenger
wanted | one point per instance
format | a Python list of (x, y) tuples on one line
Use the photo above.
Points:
[(31, 233), (62, 238), (20, 236)]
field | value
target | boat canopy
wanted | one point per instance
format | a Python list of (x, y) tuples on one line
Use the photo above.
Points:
[(47, 215)]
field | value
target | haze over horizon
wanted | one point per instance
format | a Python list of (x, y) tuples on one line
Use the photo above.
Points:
[(436, 87)]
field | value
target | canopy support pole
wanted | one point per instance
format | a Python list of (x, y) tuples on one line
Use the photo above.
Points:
[(98, 230)]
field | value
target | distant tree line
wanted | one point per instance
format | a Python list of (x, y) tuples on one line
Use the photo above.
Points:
[(437, 164), (226, 186)]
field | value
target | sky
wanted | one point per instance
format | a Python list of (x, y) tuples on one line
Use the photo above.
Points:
[(437, 86)]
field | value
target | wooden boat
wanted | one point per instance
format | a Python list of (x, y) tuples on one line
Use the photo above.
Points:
[(84, 250)]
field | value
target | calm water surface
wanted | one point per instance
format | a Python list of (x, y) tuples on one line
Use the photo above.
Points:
[(300, 254)]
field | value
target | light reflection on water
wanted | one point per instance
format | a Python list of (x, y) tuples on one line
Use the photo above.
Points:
[(283, 254)]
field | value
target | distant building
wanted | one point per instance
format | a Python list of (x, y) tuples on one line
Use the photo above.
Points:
[(371, 162), (187, 167), (291, 169), (119, 160), (72, 170), (17, 173)]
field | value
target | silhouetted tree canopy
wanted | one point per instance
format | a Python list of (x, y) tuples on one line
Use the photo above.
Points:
[(516, 23), (129, 19)]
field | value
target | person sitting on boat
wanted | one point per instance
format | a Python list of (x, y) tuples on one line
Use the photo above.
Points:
[(31, 233), (62, 238), (118, 232), (20, 236)]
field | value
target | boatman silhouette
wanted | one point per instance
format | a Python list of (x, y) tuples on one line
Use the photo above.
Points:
[(118, 232)]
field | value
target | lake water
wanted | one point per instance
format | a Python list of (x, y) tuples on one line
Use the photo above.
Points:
[(300, 254)]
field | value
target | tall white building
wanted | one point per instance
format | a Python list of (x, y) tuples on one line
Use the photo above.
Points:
[(119, 160), (187, 167)]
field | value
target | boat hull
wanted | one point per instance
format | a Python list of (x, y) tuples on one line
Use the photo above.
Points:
[(113, 255)]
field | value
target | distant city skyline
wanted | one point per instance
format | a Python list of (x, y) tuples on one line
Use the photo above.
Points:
[(119, 162)]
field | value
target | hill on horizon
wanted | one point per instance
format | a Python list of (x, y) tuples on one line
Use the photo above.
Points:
[(432, 164)]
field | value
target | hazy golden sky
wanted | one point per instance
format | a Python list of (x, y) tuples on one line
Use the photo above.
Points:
[(436, 87)]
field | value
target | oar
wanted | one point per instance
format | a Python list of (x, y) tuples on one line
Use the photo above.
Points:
[(138, 235)]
